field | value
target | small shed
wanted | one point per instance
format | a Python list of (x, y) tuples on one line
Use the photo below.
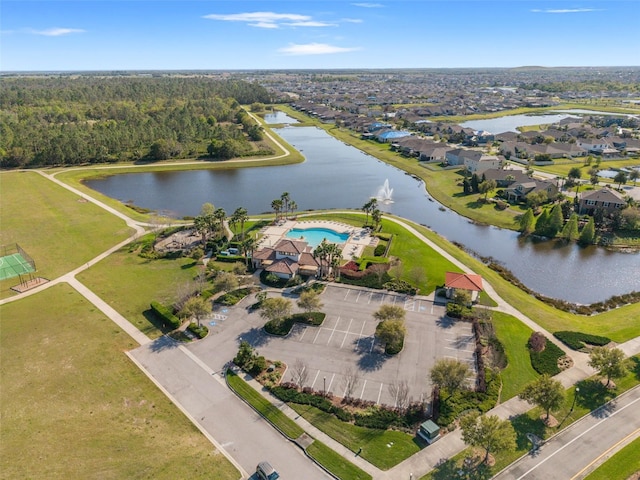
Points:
[(430, 431)]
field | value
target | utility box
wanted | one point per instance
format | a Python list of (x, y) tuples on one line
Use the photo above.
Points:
[(430, 431)]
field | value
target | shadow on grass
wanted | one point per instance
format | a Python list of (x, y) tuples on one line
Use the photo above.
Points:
[(634, 366), (448, 469), (523, 424), (475, 205), (154, 320), (594, 396)]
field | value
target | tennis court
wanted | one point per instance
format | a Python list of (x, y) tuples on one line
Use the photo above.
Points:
[(15, 262)]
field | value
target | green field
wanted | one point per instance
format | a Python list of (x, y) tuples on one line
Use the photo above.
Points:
[(130, 283), (514, 335), (75, 407), (58, 230)]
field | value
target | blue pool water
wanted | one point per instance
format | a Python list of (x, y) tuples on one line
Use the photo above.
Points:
[(314, 236)]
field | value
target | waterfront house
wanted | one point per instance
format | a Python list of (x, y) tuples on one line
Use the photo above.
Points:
[(606, 198)]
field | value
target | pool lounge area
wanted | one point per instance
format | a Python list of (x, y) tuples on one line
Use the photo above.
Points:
[(352, 239)]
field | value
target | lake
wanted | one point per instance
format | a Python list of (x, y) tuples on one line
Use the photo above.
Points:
[(337, 176)]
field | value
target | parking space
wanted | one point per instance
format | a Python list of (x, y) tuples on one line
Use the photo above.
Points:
[(338, 332)]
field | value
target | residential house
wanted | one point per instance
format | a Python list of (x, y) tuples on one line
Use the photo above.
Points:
[(598, 146), (287, 259), (474, 160), (606, 198), (469, 282), (519, 190)]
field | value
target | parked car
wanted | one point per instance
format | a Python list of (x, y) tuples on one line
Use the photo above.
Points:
[(265, 471)]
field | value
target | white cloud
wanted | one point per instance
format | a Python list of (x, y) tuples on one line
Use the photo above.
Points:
[(351, 20), (565, 10), (269, 19), (368, 5), (56, 32), (314, 49)]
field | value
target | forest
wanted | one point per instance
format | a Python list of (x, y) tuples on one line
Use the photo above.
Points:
[(72, 120)]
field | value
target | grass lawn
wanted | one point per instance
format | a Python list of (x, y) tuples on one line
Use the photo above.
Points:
[(130, 283), (52, 225), (264, 406), (373, 442), (620, 466), (514, 335), (563, 168), (74, 406), (422, 266), (335, 463)]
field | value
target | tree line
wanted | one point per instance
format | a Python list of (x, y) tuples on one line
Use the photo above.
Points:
[(73, 120)]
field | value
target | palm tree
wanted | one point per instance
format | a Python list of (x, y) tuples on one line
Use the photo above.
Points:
[(321, 253), (376, 217), (248, 245), (277, 207), (286, 198), (293, 206), (240, 216), (634, 174), (220, 215), (369, 207)]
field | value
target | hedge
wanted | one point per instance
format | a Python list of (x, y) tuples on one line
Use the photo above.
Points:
[(546, 361), (199, 331), (230, 258), (283, 326), (233, 297), (577, 340), (165, 314)]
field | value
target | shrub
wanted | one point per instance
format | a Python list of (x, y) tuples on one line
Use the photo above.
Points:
[(458, 311), (537, 342), (165, 314), (230, 258), (546, 361), (259, 366), (393, 348), (272, 280), (231, 298), (199, 331), (463, 401), (283, 326), (379, 250), (577, 340), (400, 286)]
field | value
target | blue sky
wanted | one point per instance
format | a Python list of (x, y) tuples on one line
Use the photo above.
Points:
[(235, 34)]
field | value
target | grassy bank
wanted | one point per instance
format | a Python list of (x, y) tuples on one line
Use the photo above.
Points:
[(374, 443), (74, 406), (58, 229), (620, 466), (263, 406), (335, 463)]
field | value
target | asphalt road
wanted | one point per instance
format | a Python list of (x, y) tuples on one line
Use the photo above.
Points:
[(235, 426), (573, 453)]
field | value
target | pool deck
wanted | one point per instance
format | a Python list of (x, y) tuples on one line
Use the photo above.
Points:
[(359, 238)]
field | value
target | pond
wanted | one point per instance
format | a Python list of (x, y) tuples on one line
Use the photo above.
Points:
[(278, 117), (338, 176), (510, 123)]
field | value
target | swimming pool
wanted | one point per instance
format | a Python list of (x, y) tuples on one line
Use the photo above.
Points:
[(314, 236)]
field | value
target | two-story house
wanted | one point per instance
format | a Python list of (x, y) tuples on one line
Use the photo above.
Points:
[(286, 259), (605, 198)]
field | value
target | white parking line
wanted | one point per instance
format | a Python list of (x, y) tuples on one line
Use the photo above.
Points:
[(361, 330), (373, 342), (370, 296), (459, 349), (304, 330), (315, 378), (317, 333), (346, 334), (333, 331), (330, 382), (379, 394), (362, 393), (348, 292), (358, 297)]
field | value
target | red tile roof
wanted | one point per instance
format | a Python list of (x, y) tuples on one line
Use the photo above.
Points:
[(464, 281)]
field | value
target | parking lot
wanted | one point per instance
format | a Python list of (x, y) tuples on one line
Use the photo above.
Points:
[(346, 341)]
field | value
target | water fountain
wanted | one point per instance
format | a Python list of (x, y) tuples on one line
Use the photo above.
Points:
[(385, 193)]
